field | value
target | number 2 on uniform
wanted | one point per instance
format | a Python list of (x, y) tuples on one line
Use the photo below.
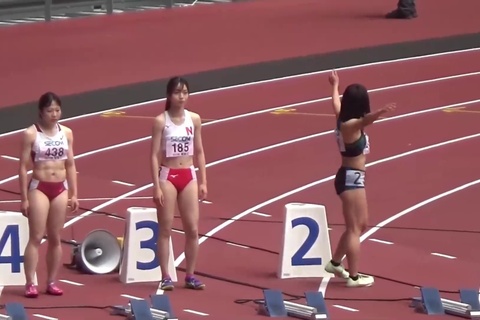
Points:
[(298, 258), (357, 178)]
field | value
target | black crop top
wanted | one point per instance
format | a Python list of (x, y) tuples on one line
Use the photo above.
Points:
[(353, 149)]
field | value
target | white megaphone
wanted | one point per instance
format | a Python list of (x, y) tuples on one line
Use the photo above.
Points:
[(99, 253)]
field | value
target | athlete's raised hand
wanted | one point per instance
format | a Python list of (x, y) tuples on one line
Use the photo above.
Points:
[(333, 78), (389, 107)]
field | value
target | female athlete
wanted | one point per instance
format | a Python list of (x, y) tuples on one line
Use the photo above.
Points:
[(44, 199), (177, 134), (352, 116)]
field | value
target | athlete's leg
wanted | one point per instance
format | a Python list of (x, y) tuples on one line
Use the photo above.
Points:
[(189, 212), (356, 219), (165, 217), (355, 214), (37, 219), (55, 222)]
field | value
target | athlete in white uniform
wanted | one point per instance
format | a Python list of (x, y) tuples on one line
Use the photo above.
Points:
[(176, 141), (46, 145), (352, 116)]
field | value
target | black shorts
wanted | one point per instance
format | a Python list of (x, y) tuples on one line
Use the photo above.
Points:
[(348, 179)]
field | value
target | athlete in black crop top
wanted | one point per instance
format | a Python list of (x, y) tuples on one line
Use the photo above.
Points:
[(352, 116)]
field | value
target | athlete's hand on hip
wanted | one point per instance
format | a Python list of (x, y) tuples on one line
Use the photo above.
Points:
[(24, 206), (202, 191), (74, 204), (158, 197)]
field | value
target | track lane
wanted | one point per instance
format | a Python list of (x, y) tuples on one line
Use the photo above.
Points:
[(214, 184), (386, 141), (257, 232), (310, 87), (298, 89), (136, 155), (451, 227)]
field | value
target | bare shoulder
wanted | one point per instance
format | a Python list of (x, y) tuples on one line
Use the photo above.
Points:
[(67, 130), (159, 122), (195, 118), (30, 133)]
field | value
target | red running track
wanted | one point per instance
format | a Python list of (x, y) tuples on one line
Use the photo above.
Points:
[(307, 153)]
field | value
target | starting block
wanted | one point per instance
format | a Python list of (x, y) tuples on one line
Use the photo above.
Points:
[(141, 310), (15, 311), (432, 303), (275, 306)]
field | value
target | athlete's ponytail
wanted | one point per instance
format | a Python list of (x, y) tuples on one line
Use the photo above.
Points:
[(172, 84)]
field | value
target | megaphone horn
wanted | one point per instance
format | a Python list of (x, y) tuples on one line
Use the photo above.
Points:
[(99, 253)]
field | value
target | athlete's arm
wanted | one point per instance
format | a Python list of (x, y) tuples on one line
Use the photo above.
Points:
[(157, 132), (70, 166), (334, 81), (199, 152), (25, 152), (358, 124)]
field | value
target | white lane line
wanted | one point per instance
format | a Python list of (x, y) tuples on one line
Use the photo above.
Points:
[(130, 297), (71, 282), (261, 214), (196, 312), (237, 245), (10, 157), (123, 183), (345, 308), (381, 241), (443, 255), (324, 284), (44, 316), (299, 104), (252, 83)]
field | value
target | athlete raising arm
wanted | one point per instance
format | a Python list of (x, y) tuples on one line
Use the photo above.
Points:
[(176, 138), (44, 199), (352, 116)]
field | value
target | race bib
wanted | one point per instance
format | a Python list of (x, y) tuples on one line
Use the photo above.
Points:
[(355, 178), (179, 146)]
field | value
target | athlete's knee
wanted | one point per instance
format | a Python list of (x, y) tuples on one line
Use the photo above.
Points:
[(54, 240), (357, 228), (191, 230), (35, 239), (164, 231)]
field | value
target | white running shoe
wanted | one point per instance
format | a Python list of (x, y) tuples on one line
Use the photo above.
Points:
[(362, 281), (338, 271)]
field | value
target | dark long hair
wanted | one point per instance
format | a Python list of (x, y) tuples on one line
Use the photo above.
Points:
[(172, 85), (47, 99), (355, 102)]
